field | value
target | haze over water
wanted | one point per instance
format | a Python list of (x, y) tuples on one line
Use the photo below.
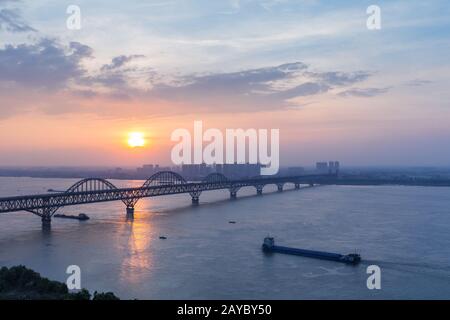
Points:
[(404, 230)]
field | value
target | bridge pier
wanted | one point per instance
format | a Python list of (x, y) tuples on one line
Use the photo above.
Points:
[(130, 212), (311, 184), (195, 200), (259, 190), (280, 187), (46, 222), (297, 186), (233, 192)]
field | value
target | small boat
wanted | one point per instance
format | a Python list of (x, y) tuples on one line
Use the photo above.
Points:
[(232, 222), (81, 216), (269, 246), (163, 238)]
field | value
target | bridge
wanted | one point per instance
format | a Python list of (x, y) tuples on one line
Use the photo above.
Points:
[(94, 190)]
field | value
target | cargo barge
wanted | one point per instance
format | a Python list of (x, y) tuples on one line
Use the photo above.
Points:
[(269, 246)]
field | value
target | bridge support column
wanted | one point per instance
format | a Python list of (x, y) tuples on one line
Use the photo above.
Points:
[(195, 200), (311, 184), (259, 190), (280, 187), (46, 222), (297, 186), (233, 194), (130, 212)]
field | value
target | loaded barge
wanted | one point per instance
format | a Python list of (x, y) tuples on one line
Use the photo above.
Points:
[(269, 246)]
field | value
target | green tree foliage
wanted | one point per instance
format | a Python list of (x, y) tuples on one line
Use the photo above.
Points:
[(104, 296), (21, 283)]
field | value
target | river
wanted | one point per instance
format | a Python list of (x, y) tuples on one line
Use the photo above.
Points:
[(403, 230)]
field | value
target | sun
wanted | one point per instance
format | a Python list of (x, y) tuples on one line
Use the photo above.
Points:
[(136, 139)]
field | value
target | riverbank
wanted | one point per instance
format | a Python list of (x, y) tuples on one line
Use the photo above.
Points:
[(21, 283)]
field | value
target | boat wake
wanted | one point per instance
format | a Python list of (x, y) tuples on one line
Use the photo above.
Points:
[(327, 272), (408, 266)]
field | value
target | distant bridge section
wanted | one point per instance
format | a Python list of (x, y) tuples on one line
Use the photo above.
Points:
[(94, 190)]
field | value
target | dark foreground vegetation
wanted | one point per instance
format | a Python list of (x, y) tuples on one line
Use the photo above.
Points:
[(21, 283)]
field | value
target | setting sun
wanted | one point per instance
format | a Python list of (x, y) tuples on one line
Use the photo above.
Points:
[(136, 139)]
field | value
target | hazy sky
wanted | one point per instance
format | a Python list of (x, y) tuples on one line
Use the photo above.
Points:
[(310, 68)]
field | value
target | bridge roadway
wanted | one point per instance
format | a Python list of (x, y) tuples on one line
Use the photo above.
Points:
[(94, 190)]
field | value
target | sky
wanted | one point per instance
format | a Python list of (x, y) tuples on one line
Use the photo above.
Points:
[(310, 68)]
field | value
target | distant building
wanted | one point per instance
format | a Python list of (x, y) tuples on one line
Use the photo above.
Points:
[(120, 173), (195, 171), (336, 167), (322, 167), (241, 170), (146, 170), (332, 167)]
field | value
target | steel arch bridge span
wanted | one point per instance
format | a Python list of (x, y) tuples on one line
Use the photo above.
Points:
[(91, 184), (95, 190), (85, 185), (164, 178), (95, 185), (159, 179), (212, 179)]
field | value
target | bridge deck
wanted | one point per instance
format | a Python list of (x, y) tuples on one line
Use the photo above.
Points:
[(102, 191)]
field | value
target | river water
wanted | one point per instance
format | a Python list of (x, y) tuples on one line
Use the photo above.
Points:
[(403, 230)]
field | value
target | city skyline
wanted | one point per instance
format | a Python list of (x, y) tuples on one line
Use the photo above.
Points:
[(335, 89)]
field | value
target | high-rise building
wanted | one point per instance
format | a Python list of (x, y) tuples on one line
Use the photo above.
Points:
[(146, 170), (195, 171), (241, 170), (336, 167), (321, 167), (332, 167)]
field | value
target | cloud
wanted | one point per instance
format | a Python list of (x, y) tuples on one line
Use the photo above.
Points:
[(363, 92), (49, 65), (305, 89), (244, 81), (10, 20), (114, 80), (263, 88), (418, 83), (342, 78), (45, 64), (119, 61), (113, 75)]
